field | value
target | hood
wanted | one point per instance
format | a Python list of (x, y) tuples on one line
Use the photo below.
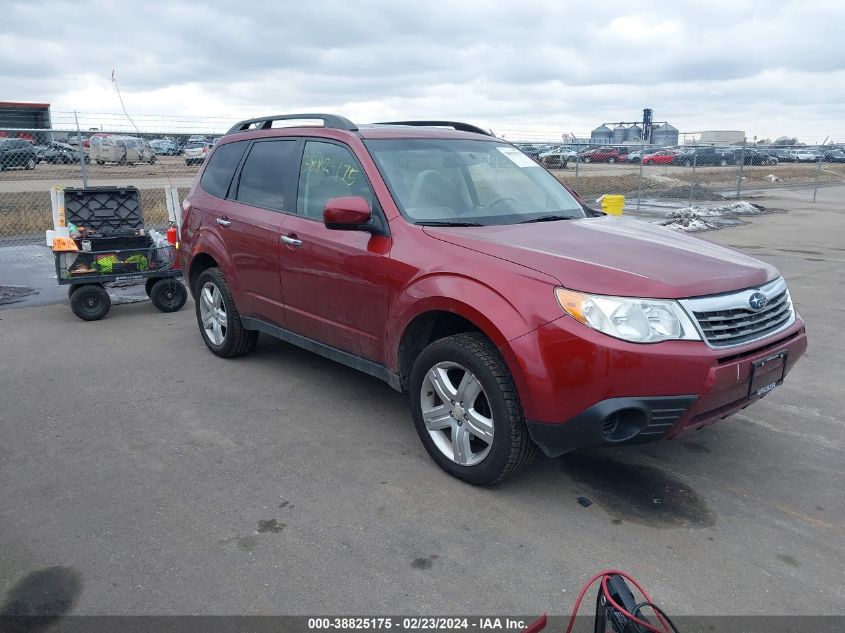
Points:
[(616, 256)]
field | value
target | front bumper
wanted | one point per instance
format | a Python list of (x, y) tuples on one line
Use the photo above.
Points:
[(580, 388)]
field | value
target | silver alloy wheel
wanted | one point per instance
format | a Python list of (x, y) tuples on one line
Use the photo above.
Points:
[(213, 313), (457, 413)]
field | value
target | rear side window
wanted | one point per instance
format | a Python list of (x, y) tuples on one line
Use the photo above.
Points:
[(265, 174), (221, 167)]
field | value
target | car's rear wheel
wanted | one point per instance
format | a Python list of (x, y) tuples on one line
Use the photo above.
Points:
[(218, 317), (723, 163), (611, 160), (467, 412), (30, 163), (586, 159)]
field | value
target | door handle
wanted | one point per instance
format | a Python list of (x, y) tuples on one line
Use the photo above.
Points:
[(291, 241), (223, 222)]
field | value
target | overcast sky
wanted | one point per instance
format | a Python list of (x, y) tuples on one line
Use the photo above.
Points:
[(768, 68)]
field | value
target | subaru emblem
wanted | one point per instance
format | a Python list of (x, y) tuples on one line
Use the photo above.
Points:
[(757, 301)]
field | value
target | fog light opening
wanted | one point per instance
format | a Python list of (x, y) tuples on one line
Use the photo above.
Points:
[(623, 425)]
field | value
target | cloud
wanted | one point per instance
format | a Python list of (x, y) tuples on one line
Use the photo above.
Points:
[(768, 68)]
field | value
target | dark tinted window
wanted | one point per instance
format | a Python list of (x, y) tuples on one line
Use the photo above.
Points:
[(264, 176), (221, 166)]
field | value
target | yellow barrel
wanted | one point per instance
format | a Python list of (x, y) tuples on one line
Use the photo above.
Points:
[(612, 204)]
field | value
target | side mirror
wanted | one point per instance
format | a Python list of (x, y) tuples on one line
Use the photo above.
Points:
[(349, 213)]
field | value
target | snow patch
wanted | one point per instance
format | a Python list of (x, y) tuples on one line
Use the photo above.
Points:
[(696, 218)]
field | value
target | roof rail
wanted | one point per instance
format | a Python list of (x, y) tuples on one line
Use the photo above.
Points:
[(457, 125), (266, 122)]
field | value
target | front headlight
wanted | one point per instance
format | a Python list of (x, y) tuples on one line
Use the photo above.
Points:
[(630, 319)]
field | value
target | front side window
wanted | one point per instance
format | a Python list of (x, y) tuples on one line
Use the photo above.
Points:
[(328, 171), (221, 167), (457, 181), (264, 177)]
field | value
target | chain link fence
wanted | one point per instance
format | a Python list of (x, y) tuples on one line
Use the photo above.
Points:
[(33, 161), (690, 173)]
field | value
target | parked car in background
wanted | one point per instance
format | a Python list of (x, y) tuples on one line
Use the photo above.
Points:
[(707, 156), (602, 155), (530, 150), (196, 152), (56, 153), (753, 156), (120, 149), (660, 157), (557, 157), (164, 147), (783, 155), (17, 152), (835, 156), (806, 156)]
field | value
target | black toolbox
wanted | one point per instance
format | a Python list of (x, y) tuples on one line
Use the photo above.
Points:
[(114, 247)]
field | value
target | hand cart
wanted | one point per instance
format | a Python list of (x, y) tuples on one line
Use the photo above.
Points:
[(109, 244)]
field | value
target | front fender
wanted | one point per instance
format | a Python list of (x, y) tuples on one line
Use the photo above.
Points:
[(494, 314)]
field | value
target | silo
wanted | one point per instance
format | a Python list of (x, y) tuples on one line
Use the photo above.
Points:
[(634, 133), (666, 134), (620, 132), (602, 134)]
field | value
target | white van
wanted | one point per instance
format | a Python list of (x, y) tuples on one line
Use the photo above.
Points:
[(125, 150)]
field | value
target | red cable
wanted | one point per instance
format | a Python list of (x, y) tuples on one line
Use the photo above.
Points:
[(603, 575)]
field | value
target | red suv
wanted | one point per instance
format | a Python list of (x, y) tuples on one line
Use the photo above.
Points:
[(454, 267), (602, 155)]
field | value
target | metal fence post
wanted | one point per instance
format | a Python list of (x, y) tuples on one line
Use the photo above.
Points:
[(577, 160), (694, 161), (739, 174), (640, 181), (83, 170), (819, 170)]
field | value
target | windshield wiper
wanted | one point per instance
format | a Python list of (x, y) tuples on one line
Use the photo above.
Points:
[(448, 223), (546, 218)]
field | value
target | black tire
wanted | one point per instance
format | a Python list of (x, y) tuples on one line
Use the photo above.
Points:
[(90, 302), (168, 294), (237, 339), (687, 163), (611, 160), (512, 448), (148, 285), (30, 164), (101, 162), (586, 159), (723, 163)]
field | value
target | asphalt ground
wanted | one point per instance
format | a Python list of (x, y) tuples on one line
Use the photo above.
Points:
[(142, 475)]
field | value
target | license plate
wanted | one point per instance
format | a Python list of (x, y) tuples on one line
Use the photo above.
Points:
[(766, 374), (762, 391)]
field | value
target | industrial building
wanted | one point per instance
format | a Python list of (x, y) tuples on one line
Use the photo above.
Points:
[(16, 116), (629, 133), (722, 137), (655, 133)]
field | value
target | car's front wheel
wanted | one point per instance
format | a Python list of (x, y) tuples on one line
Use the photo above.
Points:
[(218, 317), (467, 412)]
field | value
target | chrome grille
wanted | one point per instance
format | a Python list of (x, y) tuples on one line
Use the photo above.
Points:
[(728, 320)]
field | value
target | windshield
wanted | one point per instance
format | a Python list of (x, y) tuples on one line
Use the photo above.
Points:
[(457, 181)]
